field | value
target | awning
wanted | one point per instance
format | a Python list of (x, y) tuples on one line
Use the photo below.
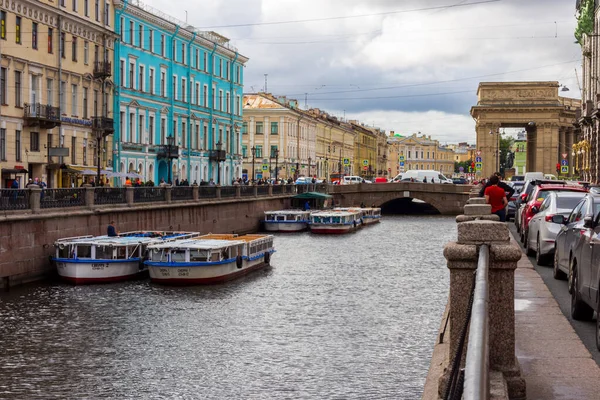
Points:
[(312, 195), (14, 171)]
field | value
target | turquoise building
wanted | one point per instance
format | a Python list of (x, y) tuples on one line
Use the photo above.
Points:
[(178, 99)]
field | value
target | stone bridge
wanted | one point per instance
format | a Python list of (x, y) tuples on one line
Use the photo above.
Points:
[(448, 199)]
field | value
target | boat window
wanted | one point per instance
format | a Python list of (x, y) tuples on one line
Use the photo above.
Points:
[(178, 255), (104, 253), (336, 220), (121, 252), (198, 255), (281, 218), (157, 255), (84, 251), (64, 252), (214, 256)]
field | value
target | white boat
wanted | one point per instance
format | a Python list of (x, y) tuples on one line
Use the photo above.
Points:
[(286, 220), (369, 215), (208, 259), (335, 221), (102, 259)]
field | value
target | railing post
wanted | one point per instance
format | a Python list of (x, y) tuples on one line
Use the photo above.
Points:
[(196, 192), (270, 190), (238, 192), (35, 193), (218, 191), (255, 190), (283, 189), (89, 195), (168, 189), (129, 195)]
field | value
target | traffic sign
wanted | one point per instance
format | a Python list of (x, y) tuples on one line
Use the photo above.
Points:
[(478, 153), (402, 163), (293, 169), (564, 162), (565, 155), (389, 170), (478, 166), (401, 158), (564, 169), (346, 161), (365, 168), (265, 167), (477, 159), (365, 163)]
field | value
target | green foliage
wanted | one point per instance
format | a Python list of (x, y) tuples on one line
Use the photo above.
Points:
[(464, 164), (585, 20)]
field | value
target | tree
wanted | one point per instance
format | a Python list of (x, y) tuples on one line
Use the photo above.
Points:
[(505, 153), (465, 164)]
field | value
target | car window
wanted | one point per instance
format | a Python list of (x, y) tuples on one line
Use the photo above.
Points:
[(577, 209), (567, 202), (545, 204), (581, 210)]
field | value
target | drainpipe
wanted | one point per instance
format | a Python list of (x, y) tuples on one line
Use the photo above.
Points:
[(211, 108), (189, 103), (116, 96), (171, 112), (60, 93), (232, 108)]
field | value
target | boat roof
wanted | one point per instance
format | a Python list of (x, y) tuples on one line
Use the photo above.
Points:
[(287, 212), (197, 243), (312, 195), (334, 213), (141, 237), (233, 236)]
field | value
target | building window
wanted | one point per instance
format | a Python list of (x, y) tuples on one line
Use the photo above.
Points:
[(3, 25), (34, 141), (274, 128), (151, 40), (2, 144), (18, 75), (273, 151), (74, 5), (221, 100), (205, 138), (86, 52), (18, 31), (151, 83), (141, 78), (97, 10), (244, 128), (220, 68), (205, 96), (131, 74), (183, 134), (197, 59), (141, 36), (74, 48), (84, 151), (197, 93), (49, 91), (17, 145), (163, 131), (62, 95), (50, 49), (244, 151), (205, 62), (228, 103), (96, 53), (86, 8), (162, 45), (150, 129), (107, 14), (73, 99), (85, 103), (122, 72), (131, 33), (183, 87), (141, 127), (34, 35), (62, 45), (183, 52), (163, 83), (173, 45), (174, 87), (73, 148), (131, 133), (259, 128), (258, 153), (95, 102)]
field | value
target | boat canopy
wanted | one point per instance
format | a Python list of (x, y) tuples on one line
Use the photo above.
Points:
[(316, 200), (312, 195)]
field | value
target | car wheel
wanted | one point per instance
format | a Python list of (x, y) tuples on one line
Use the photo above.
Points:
[(557, 273), (540, 259), (579, 310)]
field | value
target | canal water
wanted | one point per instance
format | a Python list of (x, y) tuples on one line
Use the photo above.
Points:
[(351, 317)]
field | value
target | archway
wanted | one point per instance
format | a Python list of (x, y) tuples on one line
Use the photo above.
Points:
[(183, 173), (163, 171), (150, 174), (549, 120), (408, 206), (196, 174)]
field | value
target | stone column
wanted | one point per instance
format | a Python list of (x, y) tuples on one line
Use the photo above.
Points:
[(218, 191), (562, 142), (238, 192), (168, 196), (255, 190), (35, 194), (196, 192), (89, 195), (129, 195), (569, 149), (270, 190), (462, 257), (487, 143)]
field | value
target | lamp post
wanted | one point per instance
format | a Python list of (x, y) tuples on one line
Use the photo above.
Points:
[(276, 161), (309, 161), (219, 157), (253, 150), (169, 154)]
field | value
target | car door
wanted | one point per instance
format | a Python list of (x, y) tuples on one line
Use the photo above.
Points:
[(584, 252), (534, 224), (574, 237), (595, 260), (564, 237)]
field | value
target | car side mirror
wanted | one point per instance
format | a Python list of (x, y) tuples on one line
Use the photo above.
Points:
[(588, 221), (559, 219), (534, 210)]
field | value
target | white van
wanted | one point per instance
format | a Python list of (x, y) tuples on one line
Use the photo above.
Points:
[(418, 175), (532, 176), (351, 180)]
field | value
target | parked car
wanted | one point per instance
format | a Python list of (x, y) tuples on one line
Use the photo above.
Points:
[(460, 181), (535, 199), (420, 174), (517, 178), (512, 202), (543, 230), (303, 180), (381, 179), (522, 199)]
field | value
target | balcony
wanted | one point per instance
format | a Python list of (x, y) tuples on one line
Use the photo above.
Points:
[(104, 125), (168, 151), (102, 69), (42, 115), (218, 155)]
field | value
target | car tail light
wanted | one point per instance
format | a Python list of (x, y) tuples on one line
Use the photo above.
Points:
[(513, 198), (549, 217)]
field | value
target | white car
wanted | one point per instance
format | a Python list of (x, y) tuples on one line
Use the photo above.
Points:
[(542, 231)]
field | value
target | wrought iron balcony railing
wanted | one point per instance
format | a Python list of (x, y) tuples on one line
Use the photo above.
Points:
[(42, 115), (218, 155), (104, 124), (168, 151), (102, 69)]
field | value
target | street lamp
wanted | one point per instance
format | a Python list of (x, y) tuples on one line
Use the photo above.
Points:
[(219, 157), (276, 161), (253, 150), (309, 161), (170, 152)]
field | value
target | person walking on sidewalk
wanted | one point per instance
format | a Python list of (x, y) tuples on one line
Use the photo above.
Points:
[(496, 197), (509, 190)]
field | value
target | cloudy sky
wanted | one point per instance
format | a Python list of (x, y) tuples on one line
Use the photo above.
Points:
[(402, 65)]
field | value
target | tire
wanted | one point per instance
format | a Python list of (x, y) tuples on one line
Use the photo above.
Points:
[(540, 259), (570, 276), (528, 250), (517, 225), (579, 310), (557, 273)]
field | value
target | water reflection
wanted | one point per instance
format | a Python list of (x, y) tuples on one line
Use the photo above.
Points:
[(350, 317)]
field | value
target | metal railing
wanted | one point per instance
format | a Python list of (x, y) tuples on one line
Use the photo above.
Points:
[(477, 364), (207, 192), (278, 189), (14, 199), (58, 198), (246, 191), (262, 190), (182, 193), (107, 195), (149, 194), (228, 191)]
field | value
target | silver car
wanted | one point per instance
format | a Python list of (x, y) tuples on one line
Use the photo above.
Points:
[(542, 230)]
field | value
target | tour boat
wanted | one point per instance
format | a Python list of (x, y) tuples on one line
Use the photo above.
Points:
[(286, 220), (101, 259), (335, 221), (370, 215), (208, 259)]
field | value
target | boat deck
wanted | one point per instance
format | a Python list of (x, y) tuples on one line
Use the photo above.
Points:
[(231, 236)]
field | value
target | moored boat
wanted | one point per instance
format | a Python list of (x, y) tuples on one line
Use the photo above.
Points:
[(369, 215), (286, 220), (335, 221), (208, 259), (102, 259)]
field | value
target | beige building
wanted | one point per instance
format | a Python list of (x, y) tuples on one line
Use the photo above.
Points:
[(335, 146), (55, 88), (418, 152), (277, 127)]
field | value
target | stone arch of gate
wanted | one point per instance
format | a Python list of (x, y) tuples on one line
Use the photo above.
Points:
[(550, 122)]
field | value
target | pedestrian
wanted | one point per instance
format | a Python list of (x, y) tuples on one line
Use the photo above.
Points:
[(496, 197), (425, 179), (211, 182), (509, 190), (362, 204), (29, 183), (432, 181), (306, 206), (111, 230)]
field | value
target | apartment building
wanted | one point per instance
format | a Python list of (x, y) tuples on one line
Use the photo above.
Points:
[(55, 91)]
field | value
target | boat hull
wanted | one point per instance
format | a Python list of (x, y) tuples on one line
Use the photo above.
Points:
[(333, 229), (191, 274), (370, 220), (91, 272), (291, 226)]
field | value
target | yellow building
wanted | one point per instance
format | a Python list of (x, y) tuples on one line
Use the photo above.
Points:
[(365, 150), (55, 56), (282, 136), (418, 152), (335, 146)]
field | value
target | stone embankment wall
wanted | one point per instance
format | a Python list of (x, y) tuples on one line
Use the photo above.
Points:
[(26, 241)]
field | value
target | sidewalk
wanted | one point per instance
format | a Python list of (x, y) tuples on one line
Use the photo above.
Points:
[(554, 361)]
